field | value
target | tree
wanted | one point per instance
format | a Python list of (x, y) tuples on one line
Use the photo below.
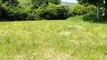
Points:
[(21, 9), (11, 2), (55, 1), (0, 8), (98, 3), (38, 3), (105, 6), (15, 9)]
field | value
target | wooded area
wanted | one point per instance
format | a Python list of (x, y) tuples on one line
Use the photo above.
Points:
[(32, 9), (48, 9)]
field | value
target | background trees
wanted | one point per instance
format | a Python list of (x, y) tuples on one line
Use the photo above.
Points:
[(0, 8), (98, 3), (29, 9), (46, 9), (11, 2), (79, 9), (15, 9), (38, 3)]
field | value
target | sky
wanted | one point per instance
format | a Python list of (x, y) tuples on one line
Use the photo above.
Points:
[(74, 1)]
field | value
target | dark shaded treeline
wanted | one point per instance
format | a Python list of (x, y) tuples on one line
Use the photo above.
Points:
[(32, 9)]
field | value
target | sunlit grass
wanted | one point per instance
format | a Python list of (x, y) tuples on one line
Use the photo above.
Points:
[(71, 39)]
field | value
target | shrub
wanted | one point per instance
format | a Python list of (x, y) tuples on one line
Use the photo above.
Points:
[(33, 16), (53, 11), (24, 10), (38, 3), (90, 8), (79, 9), (19, 12)]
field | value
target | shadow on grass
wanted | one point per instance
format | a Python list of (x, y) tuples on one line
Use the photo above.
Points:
[(10, 20), (92, 18)]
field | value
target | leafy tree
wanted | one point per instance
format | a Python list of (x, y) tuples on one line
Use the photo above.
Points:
[(98, 3), (55, 1), (0, 8), (24, 9), (52, 11), (15, 9), (38, 3), (11, 2)]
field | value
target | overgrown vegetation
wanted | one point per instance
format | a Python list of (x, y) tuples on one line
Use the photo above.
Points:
[(40, 9), (32, 9), (98, 3), (53, 11), (79, 9)]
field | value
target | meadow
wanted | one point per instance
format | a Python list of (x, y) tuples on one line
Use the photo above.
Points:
[(71, 39)]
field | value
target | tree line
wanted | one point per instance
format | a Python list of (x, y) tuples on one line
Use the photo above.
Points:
[(48, 9), (32, 9), (98, 3)]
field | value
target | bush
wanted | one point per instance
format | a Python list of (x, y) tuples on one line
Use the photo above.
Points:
[(15, 12), (53, 11), (26, 11), (79, 9), (90, 8)]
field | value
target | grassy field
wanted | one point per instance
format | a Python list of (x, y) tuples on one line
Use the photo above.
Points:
[(71, 39)]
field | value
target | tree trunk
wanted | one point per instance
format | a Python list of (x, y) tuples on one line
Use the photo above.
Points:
[(98, 10), (105, 8)]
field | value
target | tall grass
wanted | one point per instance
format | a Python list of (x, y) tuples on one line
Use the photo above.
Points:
[(71, 39)]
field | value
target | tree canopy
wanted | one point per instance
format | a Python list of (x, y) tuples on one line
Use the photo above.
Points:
[(38, 3), (100, 3), (25, 9)]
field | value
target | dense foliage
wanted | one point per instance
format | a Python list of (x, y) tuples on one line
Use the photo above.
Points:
[(98, 3), (94, 2), (41, 9), (53, 11), (38, 3), (32, 9), (79, 9)]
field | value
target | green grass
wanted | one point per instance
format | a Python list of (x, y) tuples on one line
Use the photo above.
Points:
[(71, 39)]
